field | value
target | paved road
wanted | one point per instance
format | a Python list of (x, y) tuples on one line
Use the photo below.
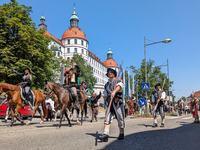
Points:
[(179, 133)]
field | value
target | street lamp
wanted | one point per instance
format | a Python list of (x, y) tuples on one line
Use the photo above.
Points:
[(164, 41)]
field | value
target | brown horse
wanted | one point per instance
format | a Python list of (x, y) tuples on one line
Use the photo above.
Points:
[(15, 101), (131, 106), (63, 99)]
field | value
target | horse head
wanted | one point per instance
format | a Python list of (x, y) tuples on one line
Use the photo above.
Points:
[(48, 90)]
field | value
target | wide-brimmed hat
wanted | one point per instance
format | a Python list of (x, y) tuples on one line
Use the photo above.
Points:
[(111, 70), (83, 82), (67, 70), (158, 84), (27, 69)]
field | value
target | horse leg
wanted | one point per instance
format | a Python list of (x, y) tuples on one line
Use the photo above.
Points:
[(77, 116), (12, 116), (42, 119), (81, 117), (68, 119), (16, 112), (55, 118), (61, 115)]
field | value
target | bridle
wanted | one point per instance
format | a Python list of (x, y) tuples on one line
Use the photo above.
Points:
[(50, 92)]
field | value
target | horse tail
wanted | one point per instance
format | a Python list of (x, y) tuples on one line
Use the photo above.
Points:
[(44, 109)]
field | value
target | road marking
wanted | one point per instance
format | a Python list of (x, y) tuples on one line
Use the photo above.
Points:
[(187, 118)]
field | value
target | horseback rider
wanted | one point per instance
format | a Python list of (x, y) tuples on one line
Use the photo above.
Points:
[(26, 82), (84, 89), (71, 80)]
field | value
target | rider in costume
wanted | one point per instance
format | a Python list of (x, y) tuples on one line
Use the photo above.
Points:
[(195, 109), (26, 83), (160, 103), (116, 108), (71, 80)]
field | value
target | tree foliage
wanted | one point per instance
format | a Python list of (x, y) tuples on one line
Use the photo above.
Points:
[(86, 71), (22, 45), (154, 75)]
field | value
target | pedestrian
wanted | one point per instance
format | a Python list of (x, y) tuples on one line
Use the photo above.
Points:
[(194, 108), (50, 108), (179, 108), (160, 102), (117, 108), (94, 104)]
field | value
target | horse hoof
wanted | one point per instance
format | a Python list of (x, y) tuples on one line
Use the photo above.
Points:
[(9, 125), (54, 120), (78, 123), (41, 122), (22, 123), (28, 123), (69, 125)]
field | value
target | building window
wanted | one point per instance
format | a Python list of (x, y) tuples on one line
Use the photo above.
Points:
[(86, 53), (68, 59), (68, 50), (82, 51), (68, 41), (86, 44), (75, 41), (75, 50), (75, 33), (82, 42), (58, 53)]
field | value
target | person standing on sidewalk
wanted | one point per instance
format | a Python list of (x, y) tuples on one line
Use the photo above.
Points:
[(160, 102), (94, 105), (179, 108), (117, 108)]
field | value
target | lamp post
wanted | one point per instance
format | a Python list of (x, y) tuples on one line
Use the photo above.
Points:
[(145, 45)]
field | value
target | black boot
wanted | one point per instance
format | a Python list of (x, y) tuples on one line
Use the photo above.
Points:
[(76, 102), (154, 125), (103, 137), (121, 136), (162, 125)]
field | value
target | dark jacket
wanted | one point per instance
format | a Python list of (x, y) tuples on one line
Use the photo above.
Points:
[(95, 100), (25, 78), (69, 78)]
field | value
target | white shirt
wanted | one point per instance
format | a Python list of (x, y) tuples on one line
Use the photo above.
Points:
[(162, 96), (51, 103)]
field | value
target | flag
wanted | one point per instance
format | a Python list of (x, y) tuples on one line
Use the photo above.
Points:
[(122, 76), (126, 90)]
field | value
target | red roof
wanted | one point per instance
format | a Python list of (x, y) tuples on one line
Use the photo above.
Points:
[(53, 37), (197, 93), (110, 63), (75, 33)]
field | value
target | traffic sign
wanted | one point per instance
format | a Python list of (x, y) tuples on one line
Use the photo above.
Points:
[(145, 86), (141, 102)]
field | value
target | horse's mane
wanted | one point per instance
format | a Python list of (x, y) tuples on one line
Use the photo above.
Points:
[(9, 86), (57, 84)]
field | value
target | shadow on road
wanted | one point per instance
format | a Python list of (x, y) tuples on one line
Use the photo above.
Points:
[(185, 137)]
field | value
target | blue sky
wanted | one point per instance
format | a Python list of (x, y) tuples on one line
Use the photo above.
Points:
[(124, 24)]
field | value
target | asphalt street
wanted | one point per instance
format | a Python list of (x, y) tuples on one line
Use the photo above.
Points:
[(179, 133)]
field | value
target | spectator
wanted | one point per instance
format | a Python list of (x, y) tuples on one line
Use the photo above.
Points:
[(94, 101)]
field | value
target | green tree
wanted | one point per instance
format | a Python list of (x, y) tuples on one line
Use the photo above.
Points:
[(183, 98), (154, 75), (22, 45), (86, 71)]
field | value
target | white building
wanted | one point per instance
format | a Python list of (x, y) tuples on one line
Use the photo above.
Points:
[(74, 41)]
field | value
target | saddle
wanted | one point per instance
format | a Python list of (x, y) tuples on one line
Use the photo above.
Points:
[(71, 93), (31, 100), (79, 95)]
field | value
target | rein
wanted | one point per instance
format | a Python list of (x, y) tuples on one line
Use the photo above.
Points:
[(53, 91)]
